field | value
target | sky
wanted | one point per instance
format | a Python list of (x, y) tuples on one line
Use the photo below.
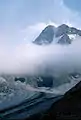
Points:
[(21, 21), (74, 5)]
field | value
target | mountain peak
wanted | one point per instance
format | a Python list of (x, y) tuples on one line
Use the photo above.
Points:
[(63, 25), (49, 26), (62, 29), (46, 36), (61, 34)]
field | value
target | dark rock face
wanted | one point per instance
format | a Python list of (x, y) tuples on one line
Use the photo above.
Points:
[(42, 81), (47, 82), (20, 79), (66, 108), (46, 36), (64, 40), (62, 32)]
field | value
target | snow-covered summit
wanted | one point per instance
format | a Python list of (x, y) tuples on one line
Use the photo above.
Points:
[(62, 34)]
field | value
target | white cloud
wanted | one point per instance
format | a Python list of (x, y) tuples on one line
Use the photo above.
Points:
[(32, 31), (32, 59)]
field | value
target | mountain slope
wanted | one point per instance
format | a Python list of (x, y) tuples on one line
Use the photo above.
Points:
[(46, 36), (68, 107)]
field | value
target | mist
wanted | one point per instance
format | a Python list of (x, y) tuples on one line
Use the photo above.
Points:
[(31, 59)]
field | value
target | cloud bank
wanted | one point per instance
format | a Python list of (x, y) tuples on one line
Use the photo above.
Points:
[(31, 59)]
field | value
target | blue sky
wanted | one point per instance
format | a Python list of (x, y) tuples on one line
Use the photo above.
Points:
[(17, 15), (24, 12), (74, 5)]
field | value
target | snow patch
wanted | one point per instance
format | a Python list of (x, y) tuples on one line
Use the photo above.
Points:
[(72, 36)]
